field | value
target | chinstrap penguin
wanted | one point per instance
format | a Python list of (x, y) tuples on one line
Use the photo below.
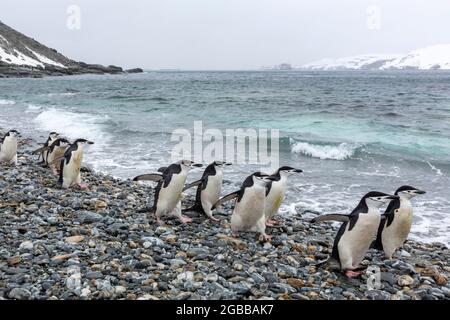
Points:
[(396, 221), (43, 151), (56, 151), (70, 165), (208, 189), (8, 147), (275, 192), (171, 181), (248, 212), (357, 232)]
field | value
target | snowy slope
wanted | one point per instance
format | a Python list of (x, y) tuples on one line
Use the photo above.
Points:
[(433, 57), (360, 62), (22, 56)]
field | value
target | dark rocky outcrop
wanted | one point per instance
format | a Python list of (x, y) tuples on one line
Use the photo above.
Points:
[(37, 60)]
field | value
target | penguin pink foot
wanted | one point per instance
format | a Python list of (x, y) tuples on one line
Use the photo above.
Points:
[(83, 186), (213, 219), (269, 223), (185, 219), (352, 274)]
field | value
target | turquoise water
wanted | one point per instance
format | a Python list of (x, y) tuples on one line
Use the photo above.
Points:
[(351, 132)]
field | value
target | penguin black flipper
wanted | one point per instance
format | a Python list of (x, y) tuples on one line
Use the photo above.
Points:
[(378, 243), (149, 177), (193, 184), (226, 198), (332, 217)]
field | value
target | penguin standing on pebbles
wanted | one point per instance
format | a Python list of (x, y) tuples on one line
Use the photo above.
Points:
[(55, 151), (43, 151), (357, 232), (396, 221), (171, 181), (248, 213), (8, 147), (208, 189), (69, 173), (275, 192)]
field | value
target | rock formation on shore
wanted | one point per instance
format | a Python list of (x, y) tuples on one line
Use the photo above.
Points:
[(22, 56)]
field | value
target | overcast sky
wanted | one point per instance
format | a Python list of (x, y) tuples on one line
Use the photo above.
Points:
[(229, 34)]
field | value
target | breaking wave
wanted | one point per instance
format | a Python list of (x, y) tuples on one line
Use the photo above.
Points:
[(341, 151)]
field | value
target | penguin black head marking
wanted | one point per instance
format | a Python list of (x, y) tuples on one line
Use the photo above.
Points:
[(61, 142), (260, 178), (83, 142), (189, 164), (221, 164), (288, 170), (408, 192), (12, 134), (377, 199)]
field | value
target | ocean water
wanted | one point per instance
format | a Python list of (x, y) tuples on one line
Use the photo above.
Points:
[(351, 132)]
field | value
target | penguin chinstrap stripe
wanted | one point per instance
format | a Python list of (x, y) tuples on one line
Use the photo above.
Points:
[(396, 221), (208, 191), (169, 189), (356, 234), (70, 166)]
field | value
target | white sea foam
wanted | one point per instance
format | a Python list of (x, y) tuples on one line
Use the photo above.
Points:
[(7, 102), (32, 108), (342, 151), (72, 125)]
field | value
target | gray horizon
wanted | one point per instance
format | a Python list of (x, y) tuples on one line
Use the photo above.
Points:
[(229, 34)]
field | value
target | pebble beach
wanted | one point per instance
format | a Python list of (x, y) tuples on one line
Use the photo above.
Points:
[(100, 243)]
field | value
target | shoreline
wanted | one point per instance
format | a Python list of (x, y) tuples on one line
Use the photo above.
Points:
[(101, 244)]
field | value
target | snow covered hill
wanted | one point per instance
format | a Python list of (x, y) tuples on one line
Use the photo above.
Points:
[(429, 58), (22, 56)]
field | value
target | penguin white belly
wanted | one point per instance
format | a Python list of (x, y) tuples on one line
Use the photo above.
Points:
[(354, 244), (395, 235), (8, 150), (71, 170), (211, 194), (274, 200), (249, 211), (169, 197)]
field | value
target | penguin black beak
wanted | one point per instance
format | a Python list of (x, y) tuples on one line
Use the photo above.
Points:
[(419, 192), (298, 170), (90, 142), (198, 165), (227, 164)]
